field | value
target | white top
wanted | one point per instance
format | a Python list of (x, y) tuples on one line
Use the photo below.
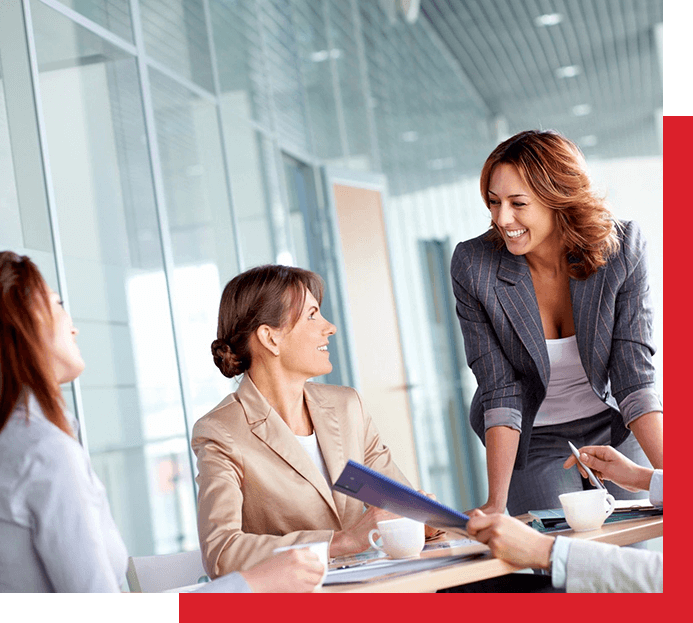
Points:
[(569, 395), (310, 445), (56, 528)]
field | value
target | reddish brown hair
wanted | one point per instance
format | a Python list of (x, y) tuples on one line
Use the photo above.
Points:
[(554, 169), (273, 295), (25, 365)]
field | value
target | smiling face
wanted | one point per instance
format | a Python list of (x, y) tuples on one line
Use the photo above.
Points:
[(527, 225), (303, 349), (66, 359)]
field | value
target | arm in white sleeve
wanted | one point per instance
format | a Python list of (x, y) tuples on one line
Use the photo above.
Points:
[(559, 561), (600, 568), (229, 583), (584, 566), (657, 488)]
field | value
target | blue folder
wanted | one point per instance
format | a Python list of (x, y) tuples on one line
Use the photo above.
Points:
[(367, 485)]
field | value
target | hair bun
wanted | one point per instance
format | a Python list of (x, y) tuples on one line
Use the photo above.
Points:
[(225, 359)]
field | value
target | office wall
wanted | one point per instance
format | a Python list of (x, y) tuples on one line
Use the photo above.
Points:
[(633, 187)]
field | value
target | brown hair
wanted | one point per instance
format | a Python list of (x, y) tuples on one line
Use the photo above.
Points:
[(554, 169), (25, 365), (273, 295)]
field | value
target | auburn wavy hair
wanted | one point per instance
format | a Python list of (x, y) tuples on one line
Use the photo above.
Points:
[(25, 365), (554, 169)]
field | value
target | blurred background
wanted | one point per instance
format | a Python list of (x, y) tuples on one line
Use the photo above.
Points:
[(152, 149)]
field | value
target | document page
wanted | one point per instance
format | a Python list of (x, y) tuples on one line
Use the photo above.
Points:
[(373, 564)]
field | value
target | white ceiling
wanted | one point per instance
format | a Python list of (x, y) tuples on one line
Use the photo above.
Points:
[(593, 73)]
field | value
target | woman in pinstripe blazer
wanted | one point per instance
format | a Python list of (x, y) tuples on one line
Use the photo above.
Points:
[(554, 307)]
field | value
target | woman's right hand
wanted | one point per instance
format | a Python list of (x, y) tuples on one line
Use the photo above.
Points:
[(292, 571), (355, 538)]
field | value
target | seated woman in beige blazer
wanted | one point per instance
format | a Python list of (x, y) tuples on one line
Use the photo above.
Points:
[(269, 452)]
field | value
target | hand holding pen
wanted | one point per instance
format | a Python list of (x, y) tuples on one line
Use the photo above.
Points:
[(607, 463)]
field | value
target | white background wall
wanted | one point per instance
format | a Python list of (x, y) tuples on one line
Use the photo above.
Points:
[(634, 188)]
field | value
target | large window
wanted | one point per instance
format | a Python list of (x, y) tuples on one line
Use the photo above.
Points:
[(107, 223), (200, 228)]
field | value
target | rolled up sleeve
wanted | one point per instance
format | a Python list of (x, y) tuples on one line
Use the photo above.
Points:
[(503, 416), (500, 388), (639, 403)]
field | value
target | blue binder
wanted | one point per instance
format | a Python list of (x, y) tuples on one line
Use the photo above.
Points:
[(367, 485)]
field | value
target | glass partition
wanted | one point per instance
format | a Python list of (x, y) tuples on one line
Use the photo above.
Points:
[(25, 225), (102, 183), (175, 34), (243, 79), (111, 14), (200, 229), (247, 153)]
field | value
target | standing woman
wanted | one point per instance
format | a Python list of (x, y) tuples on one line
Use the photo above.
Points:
[(270, 451), (56, 529), (554, 307)]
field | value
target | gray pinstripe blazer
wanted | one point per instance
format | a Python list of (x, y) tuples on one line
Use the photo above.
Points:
[(506, 349)]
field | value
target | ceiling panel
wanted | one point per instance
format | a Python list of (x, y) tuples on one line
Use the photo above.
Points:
[(592, 72)]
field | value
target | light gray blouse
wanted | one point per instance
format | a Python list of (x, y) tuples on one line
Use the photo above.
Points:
[(56, 529)]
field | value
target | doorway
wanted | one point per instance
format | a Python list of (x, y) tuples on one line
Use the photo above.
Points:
[(355, 204)]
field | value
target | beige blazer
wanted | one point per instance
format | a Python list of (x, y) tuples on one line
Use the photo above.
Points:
[(259, 489)]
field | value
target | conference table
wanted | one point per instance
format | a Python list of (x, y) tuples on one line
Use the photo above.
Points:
[(481, 564)]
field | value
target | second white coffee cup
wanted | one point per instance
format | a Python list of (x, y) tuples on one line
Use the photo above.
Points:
[(587, 510), (402, 537)]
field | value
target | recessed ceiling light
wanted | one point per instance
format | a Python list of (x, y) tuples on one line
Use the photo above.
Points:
[(441, 163), (322, 55), (569, 71), (581, 110), (548, 19), (588, 141), (410, 137)]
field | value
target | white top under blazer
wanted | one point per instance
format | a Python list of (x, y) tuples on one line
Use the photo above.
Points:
[(569, 396), (310, 444)]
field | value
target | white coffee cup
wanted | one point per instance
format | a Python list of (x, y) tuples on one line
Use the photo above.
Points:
[(402, 537), (587, 510), (320, 548)]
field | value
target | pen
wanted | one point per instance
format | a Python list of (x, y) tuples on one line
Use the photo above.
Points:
[(356, 564), (593, 479)]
